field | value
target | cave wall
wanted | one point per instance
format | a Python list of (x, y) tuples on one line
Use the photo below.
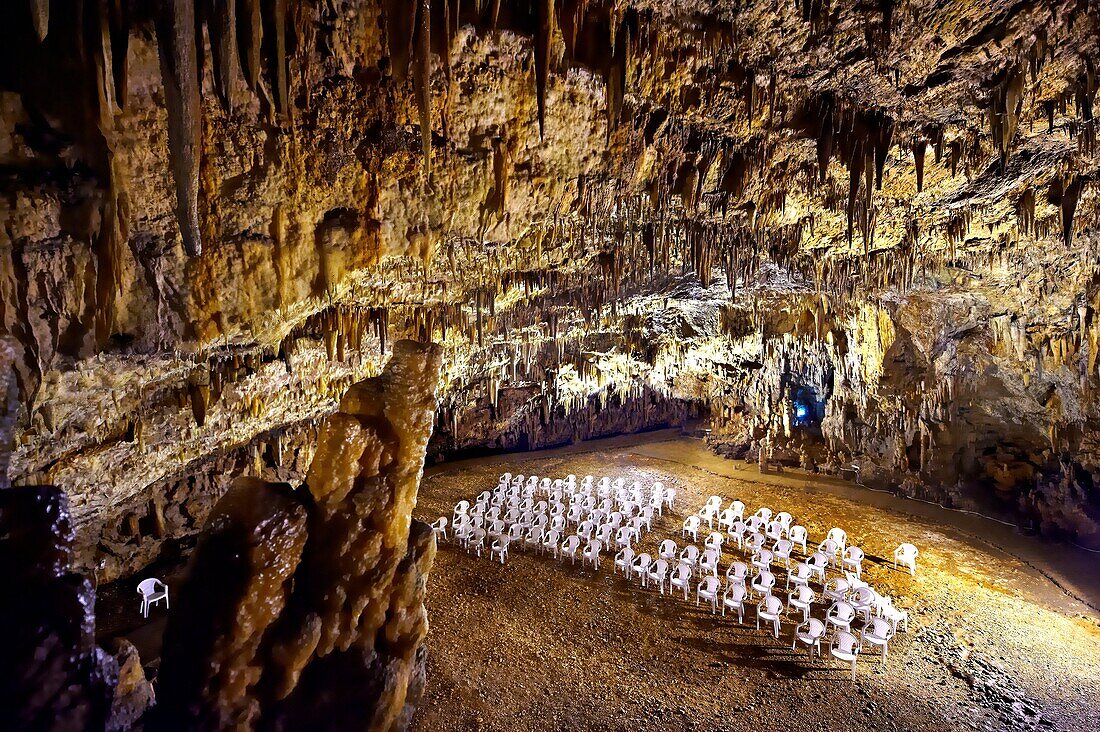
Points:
[(611, 215)]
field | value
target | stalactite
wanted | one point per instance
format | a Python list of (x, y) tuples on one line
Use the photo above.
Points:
[(221, 24), (1005, 105), (422, 79), (275, 24), (250, 34), (175, 28), (543, 35), (918, 159), (40, 14)]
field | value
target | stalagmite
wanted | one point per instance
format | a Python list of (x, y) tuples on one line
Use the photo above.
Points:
[(175, 25)]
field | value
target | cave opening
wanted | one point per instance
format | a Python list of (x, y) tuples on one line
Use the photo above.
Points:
[(429, 365)]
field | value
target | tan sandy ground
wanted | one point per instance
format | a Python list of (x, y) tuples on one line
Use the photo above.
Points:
[(537, 645)]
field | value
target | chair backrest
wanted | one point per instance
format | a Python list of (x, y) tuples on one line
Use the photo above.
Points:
[(573, 542), (765, 579), (715, 501), (441, 523), (881, 627), (797, 533), (594, 547), (626, 556), (462, 507), (815, 628), (715, 539), (773, 605), (864, 596), (805, 594), (710, 558), (784, 518), (906, 551), (783, 547), (836, 584), (711, 584), (764, 513), (148, 586), (775, 528), (840, 536), (691, 523), (738, 569), (845, 641), (659, 568), (691, 551), (829, 546), (842, 611), (668, 546), (643, 561), (736, 592), (553, 536), (765, 556), (738, 508), (853, 553), (739, 528)]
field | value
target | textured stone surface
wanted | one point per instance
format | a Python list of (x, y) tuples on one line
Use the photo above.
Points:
[(307, 607)]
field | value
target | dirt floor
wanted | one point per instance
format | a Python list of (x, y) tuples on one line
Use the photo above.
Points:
[(1004, 632)]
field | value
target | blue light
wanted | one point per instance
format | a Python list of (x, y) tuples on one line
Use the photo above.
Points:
[(801, 411)]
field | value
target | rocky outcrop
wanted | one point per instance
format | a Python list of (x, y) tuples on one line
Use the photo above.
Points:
[(307, 606)]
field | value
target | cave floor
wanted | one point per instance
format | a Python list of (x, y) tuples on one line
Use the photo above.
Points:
[(1004, 633)]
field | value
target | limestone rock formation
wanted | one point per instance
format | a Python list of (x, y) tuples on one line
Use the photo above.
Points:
[(307, 606)]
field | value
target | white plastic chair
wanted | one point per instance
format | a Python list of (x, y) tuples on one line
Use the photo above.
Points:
[(691, 526), (734, 599), (592, 553), (461, 509), (810, 634), (737, 533), (714, 541), (708, 513), (841, 615), (895, 615), (690, 555), (726, 520), (624, 560), (877, 632), (624, 536), (762, 560), (716, 502), (802, 599), (500, 546), (670, 497), (764, 514), (845, 646), (785, 519), (800, 576), (840, 536), (738, 509), (551, 541), (774, 530), (476, 541), (658, 572), (771, 609), (439, 528), (640, 569), (853, 558), (667, 550), (836, 589), (708, 590), (864, 600), (763, 583), (830, 549), (906, 556), (681, 578), (817, 564), (783, 549), (570, 547), (152, 591), (533, 538), (798, 535), (708, 562), (737, 572)]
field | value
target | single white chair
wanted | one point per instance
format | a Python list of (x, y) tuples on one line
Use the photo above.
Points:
[(764, 514), (738, 509), (439, 528), (853, 559), (895, 615), (708, 590), (533, 539), (798, 535), (716, 502), (691, 526), (877, 632), (737, 533), (906, 556), (774, 530), (783, 549), (500, 547), (763, 583), (714, 541), (802, 599), (836, 589), (840, 536), (461, 509), (737, 572), (841, 615), (762, 560), (658, 572), (865, 600), (810, 634), (690, 555), (771, 609), (784, 518), (551, 542), (830, 549), (800, 576), (726, 520), (734, 599), (708, 513), (570, 547), (817, 564), (476, 541), (640, 570), (845, 646), (152, 591), (592, 553), (667, 550), (681, 578), (708, 563), (624, 560)]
